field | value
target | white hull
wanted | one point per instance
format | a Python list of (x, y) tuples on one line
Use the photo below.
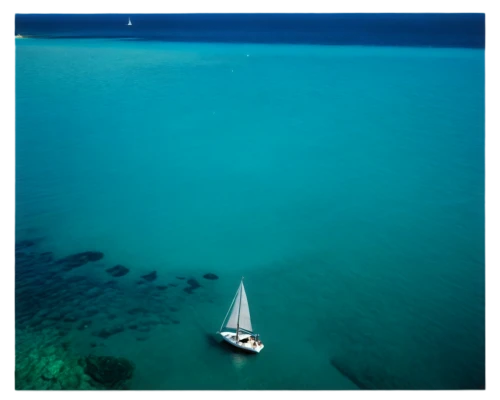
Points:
[(230, 337)]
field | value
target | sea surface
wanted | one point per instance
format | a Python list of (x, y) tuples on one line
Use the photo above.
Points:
[(345, 183)]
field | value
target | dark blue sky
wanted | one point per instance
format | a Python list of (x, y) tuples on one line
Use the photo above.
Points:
[(437, 30)]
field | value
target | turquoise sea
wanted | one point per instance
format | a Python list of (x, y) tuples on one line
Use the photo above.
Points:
[(345, 183)]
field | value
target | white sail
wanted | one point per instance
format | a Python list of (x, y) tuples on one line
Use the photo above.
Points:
[(232, 322), (129, 22), (240, 314), (245, 322)]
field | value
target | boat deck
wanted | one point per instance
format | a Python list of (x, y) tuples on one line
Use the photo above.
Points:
[(250, 345)]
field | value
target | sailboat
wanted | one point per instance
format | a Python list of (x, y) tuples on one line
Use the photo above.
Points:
[(237, 329), (129, 22)]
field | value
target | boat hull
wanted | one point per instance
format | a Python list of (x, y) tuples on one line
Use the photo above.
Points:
[(229, 337)]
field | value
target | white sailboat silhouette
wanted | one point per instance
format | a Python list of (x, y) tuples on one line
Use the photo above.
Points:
[(237, 330), (129, 22)]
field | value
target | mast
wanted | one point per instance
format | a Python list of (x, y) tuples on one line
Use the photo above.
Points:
[(239, 310)]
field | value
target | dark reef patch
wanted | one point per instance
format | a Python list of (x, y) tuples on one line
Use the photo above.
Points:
[(117, 271), (113, 373), (193, 285), (161, 287), (106, 333), (210, 276), (150, 277), (79, 259), (24, 244)]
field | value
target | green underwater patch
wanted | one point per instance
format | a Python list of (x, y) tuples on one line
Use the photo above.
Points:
[(44, 363)]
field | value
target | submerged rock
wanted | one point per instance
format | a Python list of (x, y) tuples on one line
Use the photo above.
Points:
[(117, 271), (111, 372), (193, 284), (161, 287), (211, 276), (106, 333), (150, 277), (79, 259)]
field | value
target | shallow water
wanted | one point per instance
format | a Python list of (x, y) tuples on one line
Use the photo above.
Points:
[(345, 183)]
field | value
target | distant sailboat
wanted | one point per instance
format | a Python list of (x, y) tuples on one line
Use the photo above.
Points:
[(237, 330), (129, 22)]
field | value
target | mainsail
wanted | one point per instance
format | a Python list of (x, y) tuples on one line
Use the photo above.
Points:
[(240, 314)]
